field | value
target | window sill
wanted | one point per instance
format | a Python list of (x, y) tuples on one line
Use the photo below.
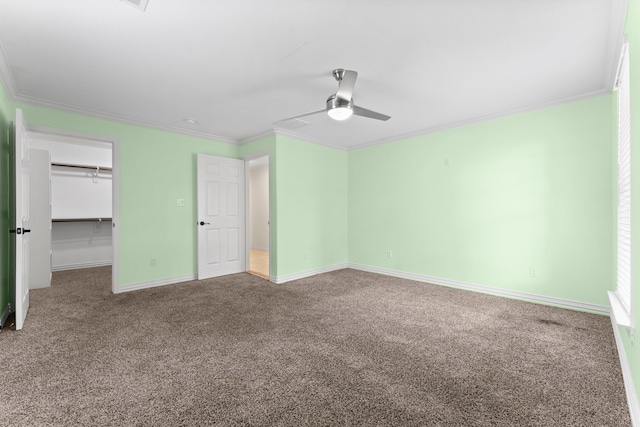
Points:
[(619, 313)]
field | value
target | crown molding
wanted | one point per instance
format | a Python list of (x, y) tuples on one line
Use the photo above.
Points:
[(71, 137), (265, 134), (307, 139), (280, 132), (119, 119), (615, 42), (483, 118), (422, 132)]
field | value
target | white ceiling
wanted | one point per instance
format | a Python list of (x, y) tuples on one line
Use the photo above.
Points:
[(238, 66)]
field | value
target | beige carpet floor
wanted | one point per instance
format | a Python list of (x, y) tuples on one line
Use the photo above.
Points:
[(342, 348)]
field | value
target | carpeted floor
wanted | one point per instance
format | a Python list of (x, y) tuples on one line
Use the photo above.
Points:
[(342, 348)]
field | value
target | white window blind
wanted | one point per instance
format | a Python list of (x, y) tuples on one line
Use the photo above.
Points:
[(623, 291)]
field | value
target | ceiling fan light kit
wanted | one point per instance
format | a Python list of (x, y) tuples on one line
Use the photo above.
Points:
[(339, 109), (341, 113)]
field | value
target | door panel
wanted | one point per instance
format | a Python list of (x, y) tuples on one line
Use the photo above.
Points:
[(233, 240), (221, 216), (213, 245), (21, 217), (232, 200), (213, 198)]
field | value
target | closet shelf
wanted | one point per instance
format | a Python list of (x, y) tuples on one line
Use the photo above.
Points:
[(80, 219), (69, 165)]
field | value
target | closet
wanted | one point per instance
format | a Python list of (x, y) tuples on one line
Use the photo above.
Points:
[(71, 205)]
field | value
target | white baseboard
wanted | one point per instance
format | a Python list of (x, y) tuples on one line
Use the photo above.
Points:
[(155, 283), (187, 278), (594, 308), (296, 276), (632, 397), (80, 265)]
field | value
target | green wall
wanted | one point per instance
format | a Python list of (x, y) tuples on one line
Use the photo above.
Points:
[(308, 204), (308, 197), (480, 204), (486, 203), (156, 168), (632, 30), (6, 119), (312, 206)]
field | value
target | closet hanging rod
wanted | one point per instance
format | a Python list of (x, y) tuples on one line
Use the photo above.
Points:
[(68, 165), (80, 219)]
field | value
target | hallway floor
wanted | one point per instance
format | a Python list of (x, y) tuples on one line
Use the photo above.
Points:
[(259, 263)]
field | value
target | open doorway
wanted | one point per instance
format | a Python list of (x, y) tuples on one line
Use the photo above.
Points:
[(79, 196), (258, 216)]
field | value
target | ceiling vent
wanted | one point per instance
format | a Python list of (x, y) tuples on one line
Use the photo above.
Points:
[(291, 124), (138, 4)]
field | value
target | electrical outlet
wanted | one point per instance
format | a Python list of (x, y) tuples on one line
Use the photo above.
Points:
[(447, 161), (389, 253), (154, 262), (180, 203), (533, 272)]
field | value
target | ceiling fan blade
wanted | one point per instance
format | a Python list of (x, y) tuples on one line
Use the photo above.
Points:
[(346, 85), (359, 111), (302, 115)]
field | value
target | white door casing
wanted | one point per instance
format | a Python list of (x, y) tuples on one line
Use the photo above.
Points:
[(221, 216), (21, 218)]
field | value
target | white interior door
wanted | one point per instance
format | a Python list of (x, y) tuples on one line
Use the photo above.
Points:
[(21, 217), (221, 216)]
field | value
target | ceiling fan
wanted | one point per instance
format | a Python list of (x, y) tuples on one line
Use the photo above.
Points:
[(341, 106)]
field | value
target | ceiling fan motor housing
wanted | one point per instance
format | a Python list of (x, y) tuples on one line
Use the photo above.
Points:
[(335, 102)]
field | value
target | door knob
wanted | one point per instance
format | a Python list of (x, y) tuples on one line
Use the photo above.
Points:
[(20, 230), (204, 223)]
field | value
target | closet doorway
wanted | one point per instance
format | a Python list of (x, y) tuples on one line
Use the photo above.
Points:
[(258, 225), (76, 194)]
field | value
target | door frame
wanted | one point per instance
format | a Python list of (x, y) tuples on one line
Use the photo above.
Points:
[(115, 189), (247, 159)]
